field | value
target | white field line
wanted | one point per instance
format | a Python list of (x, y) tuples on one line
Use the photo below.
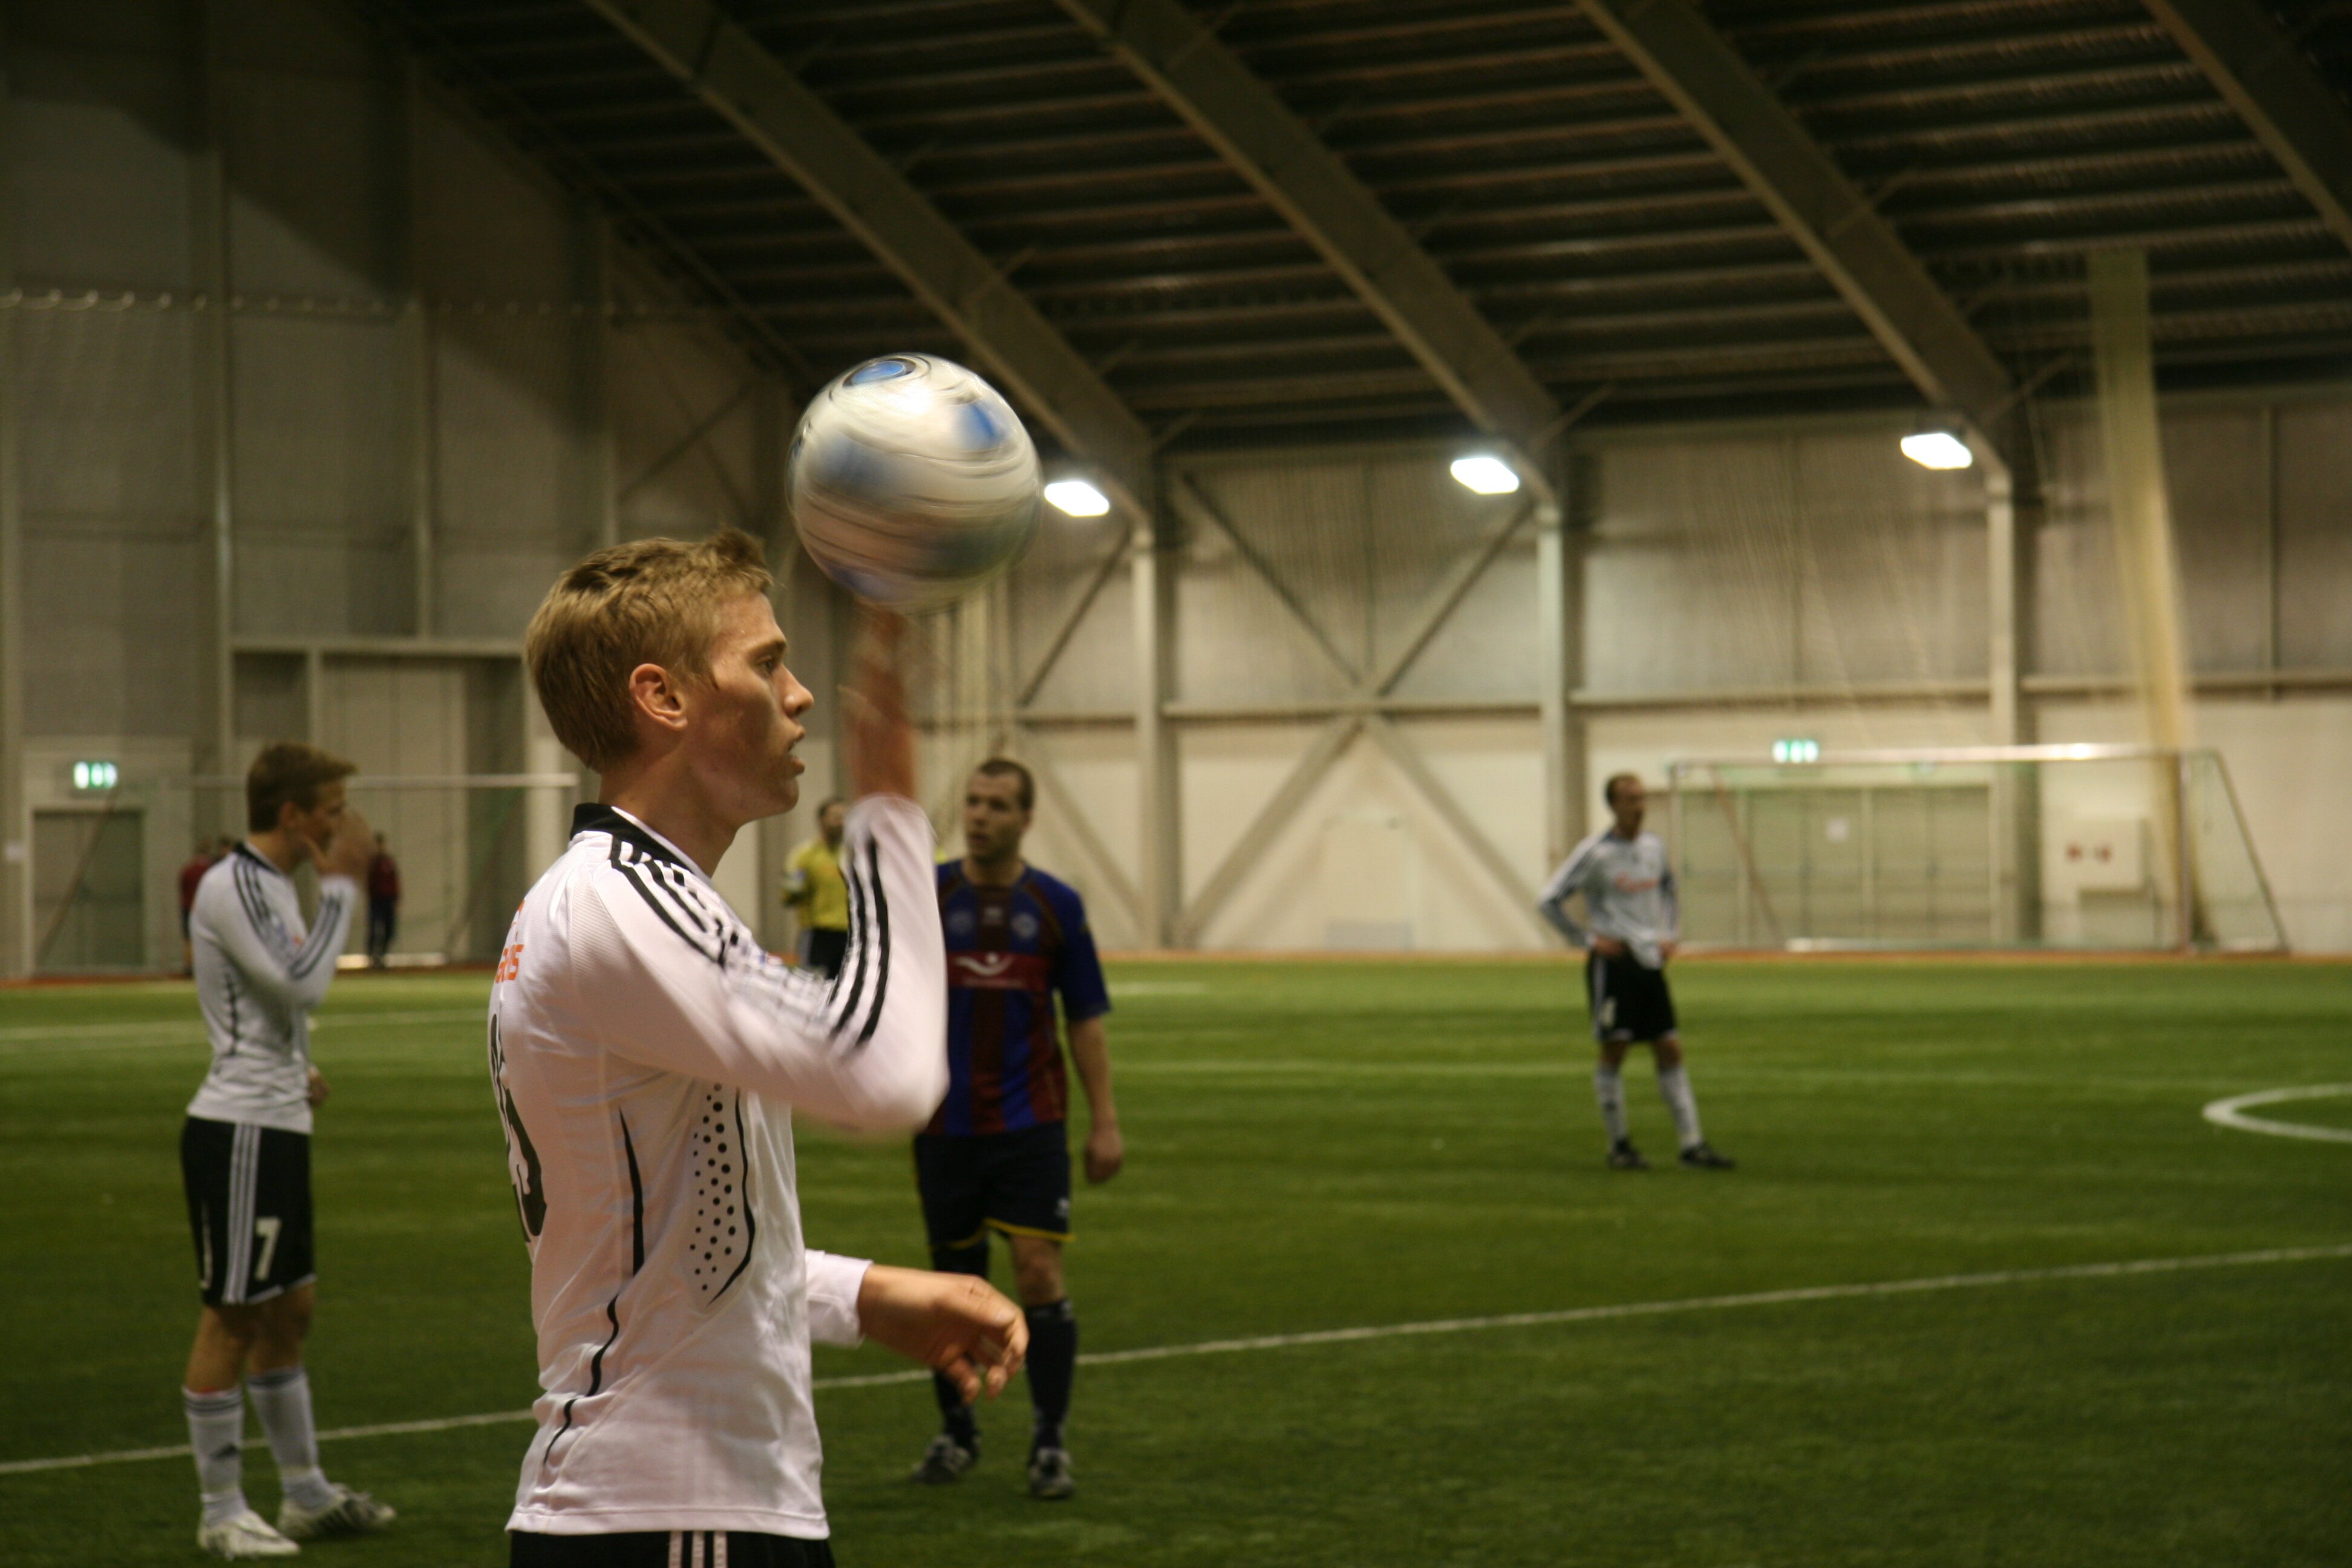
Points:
[(2231, 1112), (1391, 1330), (1891, 1076)]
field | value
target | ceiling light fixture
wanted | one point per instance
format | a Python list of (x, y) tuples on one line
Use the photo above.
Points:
[(1489, 476), (1937, 449), (1077, 498)]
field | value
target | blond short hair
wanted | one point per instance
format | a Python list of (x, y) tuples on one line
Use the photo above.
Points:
[(650, 601), (288, 773)]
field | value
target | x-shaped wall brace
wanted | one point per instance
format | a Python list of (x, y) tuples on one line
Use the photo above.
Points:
[(1372, 692)]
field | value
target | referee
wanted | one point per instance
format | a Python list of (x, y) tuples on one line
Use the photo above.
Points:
[(815, 892)]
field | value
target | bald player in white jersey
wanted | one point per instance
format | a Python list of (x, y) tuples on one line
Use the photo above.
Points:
[(245, 1149), (1628, 885), (648, 1058)]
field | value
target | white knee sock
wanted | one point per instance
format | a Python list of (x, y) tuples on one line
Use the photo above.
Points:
[(1609, 1091), (216, 1432), (1674, 1088), (282, 1398)]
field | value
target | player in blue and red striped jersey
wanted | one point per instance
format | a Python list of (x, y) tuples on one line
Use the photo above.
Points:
[(996, 1157)]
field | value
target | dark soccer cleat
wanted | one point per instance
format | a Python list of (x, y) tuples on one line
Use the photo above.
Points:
[(1049, 1474), (945, 1461), (351, 1513), (1624, 1156), (1703, 1157)]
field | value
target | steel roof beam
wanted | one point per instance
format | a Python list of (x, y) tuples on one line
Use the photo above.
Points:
[(728, 69), (1865, 259), (2257, 69), (1239, 115)]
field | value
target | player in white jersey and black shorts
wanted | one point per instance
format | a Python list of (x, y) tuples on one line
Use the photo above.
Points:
[(1628, 885), (245, 1149), (648, 1058)]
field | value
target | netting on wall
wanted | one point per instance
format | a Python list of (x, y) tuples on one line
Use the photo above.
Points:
[(1969, 848), (466, 848)]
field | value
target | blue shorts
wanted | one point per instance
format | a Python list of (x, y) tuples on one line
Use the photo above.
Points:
[(1015, 1182)]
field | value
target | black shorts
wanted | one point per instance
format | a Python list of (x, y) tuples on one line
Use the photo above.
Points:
[(1016, 1183), (249, 1209), (824, 949), (1629, 999), (667, 1549)]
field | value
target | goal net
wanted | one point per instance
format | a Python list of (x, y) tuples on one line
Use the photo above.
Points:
[(2084, 847)]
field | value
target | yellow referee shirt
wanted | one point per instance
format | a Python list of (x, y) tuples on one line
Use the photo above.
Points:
[(813, 888)]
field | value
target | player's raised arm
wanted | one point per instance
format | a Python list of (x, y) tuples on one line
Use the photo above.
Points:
[(679, 989), (289, 968), (673, 991)]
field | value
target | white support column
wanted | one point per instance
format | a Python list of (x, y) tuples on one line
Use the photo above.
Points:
[(416, 344), (593, 286), (1563, 780), (2000, 596), (1160, 886), (2015, 815), (208, 233), (15, 820)]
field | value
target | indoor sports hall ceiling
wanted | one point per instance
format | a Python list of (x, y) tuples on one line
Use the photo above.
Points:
[(1603, 239)]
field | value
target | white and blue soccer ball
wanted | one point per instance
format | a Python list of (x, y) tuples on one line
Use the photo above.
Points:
[(912, 481)]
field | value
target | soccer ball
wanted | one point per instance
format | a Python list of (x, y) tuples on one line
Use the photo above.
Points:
[(912, 481)]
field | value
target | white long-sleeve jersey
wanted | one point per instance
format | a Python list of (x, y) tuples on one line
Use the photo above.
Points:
[(1629, 893), (647, 1058), (259, 970)]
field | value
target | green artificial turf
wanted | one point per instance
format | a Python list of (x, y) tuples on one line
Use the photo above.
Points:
[(1318, 1146)]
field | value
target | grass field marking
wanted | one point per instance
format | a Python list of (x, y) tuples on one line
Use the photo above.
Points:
[(2231, 1112), (1389, 1332)]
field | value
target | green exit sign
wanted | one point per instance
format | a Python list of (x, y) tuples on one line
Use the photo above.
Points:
[(95, 775), (1796, 750)]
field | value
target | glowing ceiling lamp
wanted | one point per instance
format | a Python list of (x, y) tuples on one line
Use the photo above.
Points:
[(1937, 449), (1489, 476), (1077, 498)]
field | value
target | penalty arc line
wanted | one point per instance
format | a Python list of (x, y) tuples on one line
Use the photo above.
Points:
[(1389, 1331), (2231, 1112)]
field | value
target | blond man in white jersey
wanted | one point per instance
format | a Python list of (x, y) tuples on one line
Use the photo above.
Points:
[(1628, 885), (647, 1057), (245, 1149)]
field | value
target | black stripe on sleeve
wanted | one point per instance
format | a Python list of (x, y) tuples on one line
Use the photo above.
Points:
[(314, 943), (882, 940), (260, 915), (861, 940)]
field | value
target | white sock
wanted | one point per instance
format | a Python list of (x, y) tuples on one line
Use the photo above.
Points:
[(282, 1398), (216, 1432), (1609, 1091), (1674, 1088)]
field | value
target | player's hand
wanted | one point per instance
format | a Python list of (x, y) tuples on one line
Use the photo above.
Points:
[(1608, 947), (314, 1089), (1106, 1152), (347, 854), (873, 708), (1669, 948), (953, 1323)]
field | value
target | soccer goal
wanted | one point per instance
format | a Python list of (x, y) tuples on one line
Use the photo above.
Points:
[(2082, 847)]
